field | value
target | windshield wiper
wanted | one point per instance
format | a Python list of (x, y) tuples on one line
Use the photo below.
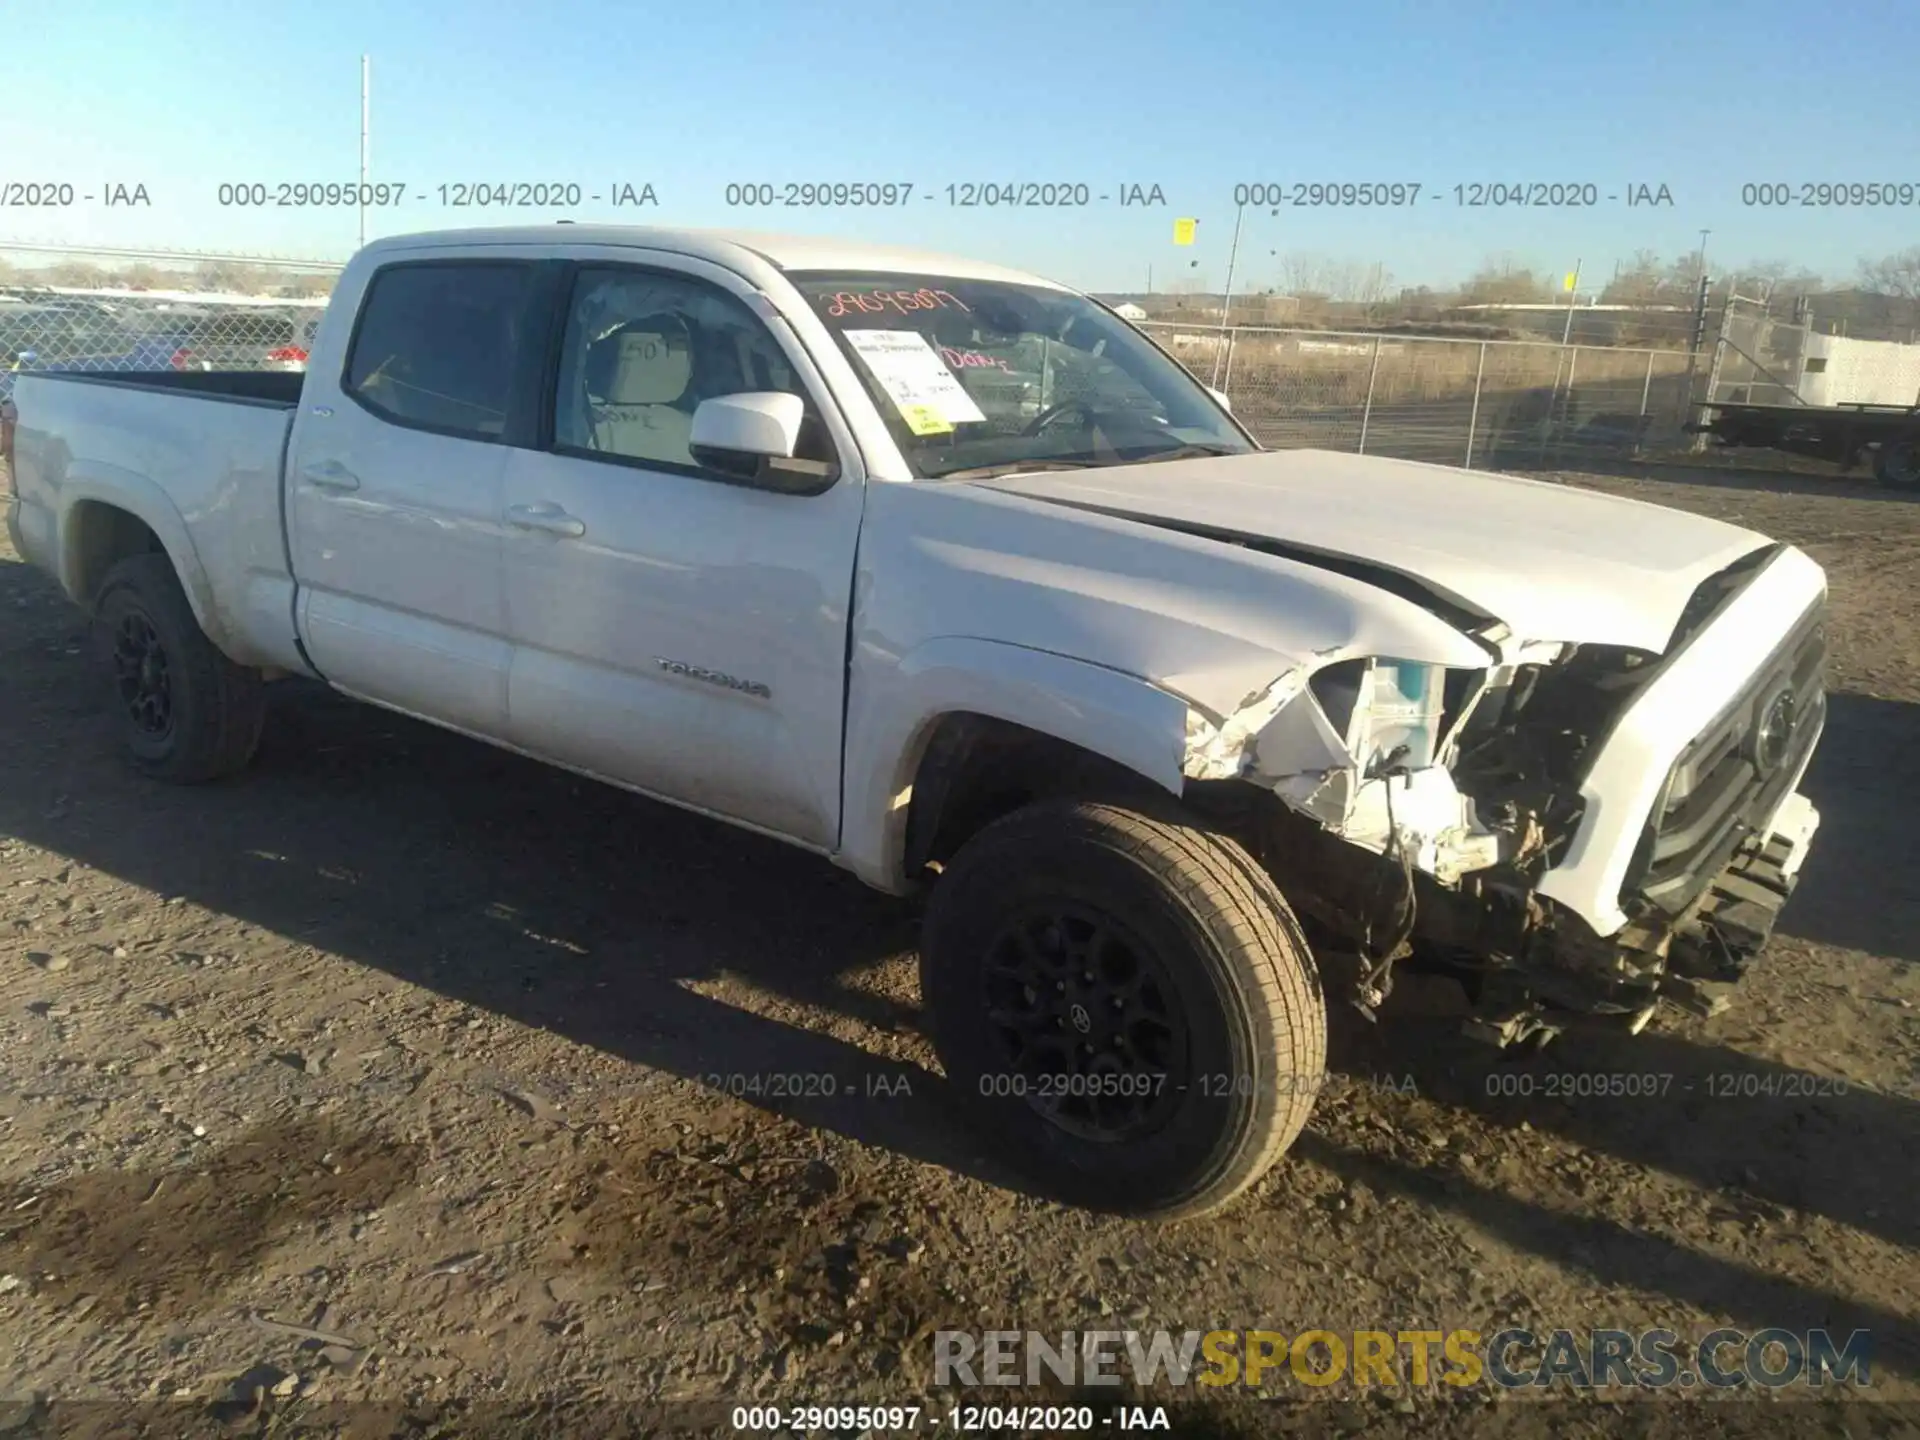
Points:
[(1183, 452), (1015, 467)]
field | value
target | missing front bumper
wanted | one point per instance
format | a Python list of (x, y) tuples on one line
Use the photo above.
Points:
[(1694, 963), (1735, 918)]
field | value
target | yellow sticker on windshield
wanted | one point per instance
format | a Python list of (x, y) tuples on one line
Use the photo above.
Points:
[(925, 420)]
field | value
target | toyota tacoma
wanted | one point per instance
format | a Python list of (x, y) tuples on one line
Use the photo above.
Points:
[(949, 574)]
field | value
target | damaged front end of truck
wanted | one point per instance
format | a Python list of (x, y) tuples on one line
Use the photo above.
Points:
[(1578, 832)]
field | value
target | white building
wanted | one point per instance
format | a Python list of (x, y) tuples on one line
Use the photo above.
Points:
[(1840, 371), (1129, 311)]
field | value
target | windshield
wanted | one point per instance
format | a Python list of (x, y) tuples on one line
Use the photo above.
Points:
[(981, 376)]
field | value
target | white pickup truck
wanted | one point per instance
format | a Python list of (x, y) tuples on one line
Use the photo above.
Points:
[(947, 573)]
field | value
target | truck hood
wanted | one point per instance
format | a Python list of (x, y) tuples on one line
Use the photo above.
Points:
[(1553, 562)]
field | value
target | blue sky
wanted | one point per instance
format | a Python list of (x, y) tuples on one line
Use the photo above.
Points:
[(1699, 95)]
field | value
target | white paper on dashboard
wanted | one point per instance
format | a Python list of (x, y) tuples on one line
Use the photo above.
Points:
[(912, 372)]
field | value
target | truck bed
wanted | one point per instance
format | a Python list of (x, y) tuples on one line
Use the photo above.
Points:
[(259, 387), (132, 441)]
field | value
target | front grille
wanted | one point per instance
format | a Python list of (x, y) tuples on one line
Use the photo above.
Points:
[(1735, 772)]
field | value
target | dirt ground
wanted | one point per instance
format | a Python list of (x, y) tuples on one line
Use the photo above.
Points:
[(405, 1073)]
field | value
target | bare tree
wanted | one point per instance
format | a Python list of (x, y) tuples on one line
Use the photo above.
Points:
[(1323, 277), (1643, 280), (1503, 282), (77, 273), (1897, 275), (1306, 275), (1778, 279), (147, 277), (234, 277)]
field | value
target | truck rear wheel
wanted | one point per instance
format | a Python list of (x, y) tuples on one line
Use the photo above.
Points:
[(185, 712), (1897, 465), (1125, 1004)]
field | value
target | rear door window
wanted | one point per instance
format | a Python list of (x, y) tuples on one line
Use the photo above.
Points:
[(438, 345)]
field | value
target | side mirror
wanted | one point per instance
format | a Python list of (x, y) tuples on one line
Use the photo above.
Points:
[(754, 436), (764, 424), (1220, 399)]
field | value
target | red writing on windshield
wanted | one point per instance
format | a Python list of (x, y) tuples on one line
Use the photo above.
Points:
[(971, 360), (871, 302)]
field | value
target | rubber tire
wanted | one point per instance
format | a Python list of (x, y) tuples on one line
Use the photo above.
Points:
[(1884, 471), (219, 708), (1248, 983)]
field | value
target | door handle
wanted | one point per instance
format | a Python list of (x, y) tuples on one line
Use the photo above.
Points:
[(545, 516), (330, 474)]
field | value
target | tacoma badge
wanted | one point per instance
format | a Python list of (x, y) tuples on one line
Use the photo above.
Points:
[(713, 677)]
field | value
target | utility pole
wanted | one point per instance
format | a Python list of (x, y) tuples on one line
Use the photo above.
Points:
[(1233, 252), (1226, 298), (1703, 250), (366, 80), (1573, 292)]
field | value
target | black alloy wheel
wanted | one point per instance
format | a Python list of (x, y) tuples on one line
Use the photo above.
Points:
[(142, 676), (1089, 1019)]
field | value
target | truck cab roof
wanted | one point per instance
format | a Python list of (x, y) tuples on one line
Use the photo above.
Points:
[(735, 249)]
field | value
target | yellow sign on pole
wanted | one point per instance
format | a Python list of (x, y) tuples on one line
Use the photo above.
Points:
[(1183, 231), (1573, 279)]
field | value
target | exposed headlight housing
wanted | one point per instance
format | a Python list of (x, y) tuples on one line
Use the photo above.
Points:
[(1387, 711)]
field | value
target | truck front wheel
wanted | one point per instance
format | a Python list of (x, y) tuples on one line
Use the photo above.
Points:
[(1125, 1004), (185, 712)]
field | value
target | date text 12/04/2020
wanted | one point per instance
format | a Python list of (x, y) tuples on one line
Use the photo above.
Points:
[(1276, 195), (455, 195), (1654, 1084), (1080, 194), (1044, 1419), (967, 194), (897, 1083)]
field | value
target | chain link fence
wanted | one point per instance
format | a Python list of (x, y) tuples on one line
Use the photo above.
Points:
[(137, 311), (1759, 358), (1478, 403), (1762, 358)]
